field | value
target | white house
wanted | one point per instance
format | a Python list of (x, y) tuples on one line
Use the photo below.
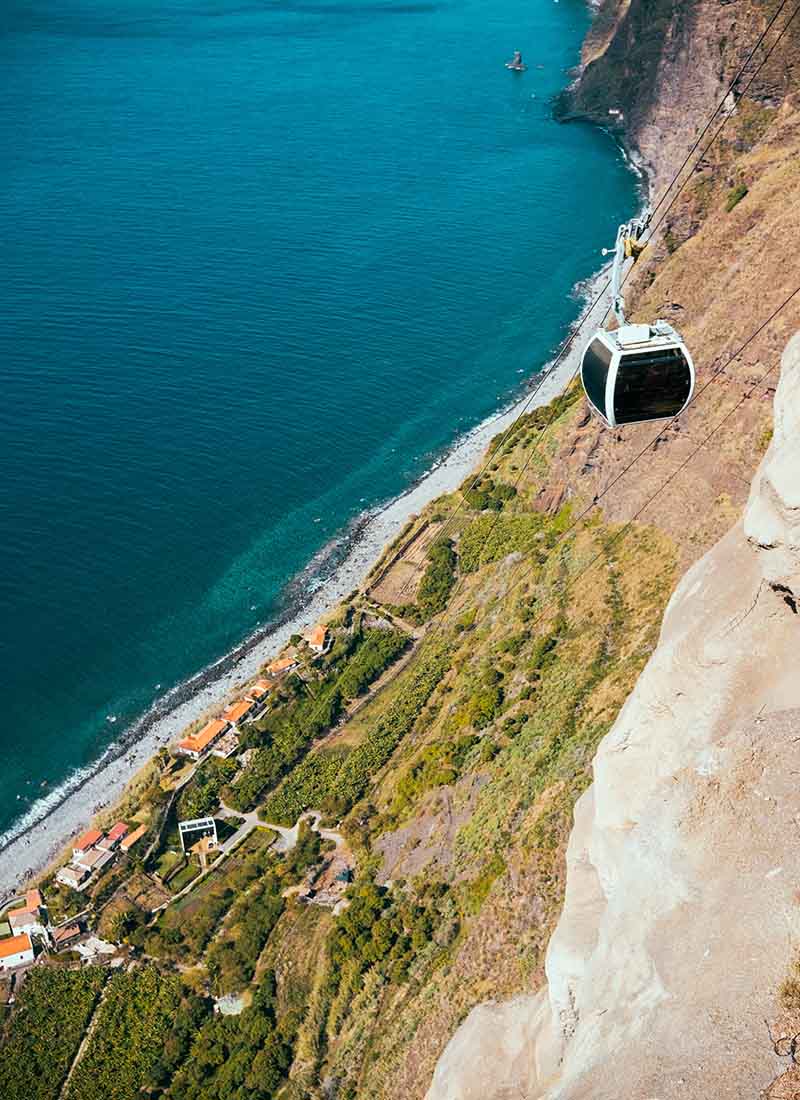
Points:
[(318, 639), (28, 917), (16, 951), (73, 876), (192, 831), (85, 842), (25, 920)]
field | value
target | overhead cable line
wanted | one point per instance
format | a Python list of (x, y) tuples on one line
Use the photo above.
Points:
[(619, 535), (440, 534)]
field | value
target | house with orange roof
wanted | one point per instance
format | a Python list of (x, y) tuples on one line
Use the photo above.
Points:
[(28, 917), (259, 691), (33, 900), (238, 711), (113, 837), (133, 838), (16, 951), (318, 639), (85, 842), (195, 745), (281, 665)]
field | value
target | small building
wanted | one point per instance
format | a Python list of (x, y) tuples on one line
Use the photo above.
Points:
[(195, 745), (113, 837), (73, 876), (194, 830), (33, 900), (259, 691), (89, 860), (318, 639), (85, 842), (282, 665), (203, 848), (27, 917), (66, 935), (25, 920), (238, 712), (16, 951), (227, 745), (132, 838)]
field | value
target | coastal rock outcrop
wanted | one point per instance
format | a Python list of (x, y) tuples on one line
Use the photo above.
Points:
[(682, 907)]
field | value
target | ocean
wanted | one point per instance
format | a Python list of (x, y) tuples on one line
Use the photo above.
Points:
[(264, 262)]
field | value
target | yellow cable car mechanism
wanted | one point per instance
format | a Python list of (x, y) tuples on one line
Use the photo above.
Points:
[(635, 373)]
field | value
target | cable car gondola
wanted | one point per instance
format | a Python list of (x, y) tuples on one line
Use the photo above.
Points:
[(636, 373)]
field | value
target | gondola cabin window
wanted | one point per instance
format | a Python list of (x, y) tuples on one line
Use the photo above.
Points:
[(651, 385), (596, 363)]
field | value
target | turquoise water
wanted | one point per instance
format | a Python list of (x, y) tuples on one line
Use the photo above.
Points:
[(262, 263)]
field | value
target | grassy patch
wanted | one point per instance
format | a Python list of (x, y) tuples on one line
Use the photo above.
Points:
[(735, 196)]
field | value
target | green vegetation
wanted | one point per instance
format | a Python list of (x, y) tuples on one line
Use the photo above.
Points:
[(384, 940), (379, 650), (437, 581), (286, 733), (490, 538), (200, 797), (184, 930), (735, 196), (232, 960), (41, 1037), (143, 1029), (243, 1057), (334, 781), (527, 427), (436, 585), (486, 494), (439, 763)]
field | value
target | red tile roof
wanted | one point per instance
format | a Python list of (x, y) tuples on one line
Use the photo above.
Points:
[(318, 636), (66, 933), (132, 838), (237, 710), (201, 740), (282, 664), (14, 944), (83, 843), (33, 900), (117, 832)]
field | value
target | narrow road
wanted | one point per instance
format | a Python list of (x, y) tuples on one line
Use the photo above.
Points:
[(287, 836)]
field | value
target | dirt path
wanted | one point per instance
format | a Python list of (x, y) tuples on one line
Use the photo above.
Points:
[(87, 1036)]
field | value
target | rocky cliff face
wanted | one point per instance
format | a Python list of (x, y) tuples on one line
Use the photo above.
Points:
[(652, 71), (683, 867), (681, 913)]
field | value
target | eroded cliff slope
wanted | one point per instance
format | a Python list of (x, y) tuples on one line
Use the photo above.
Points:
[(682, 904)]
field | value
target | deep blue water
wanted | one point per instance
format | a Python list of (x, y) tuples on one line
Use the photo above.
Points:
[(262, 261)]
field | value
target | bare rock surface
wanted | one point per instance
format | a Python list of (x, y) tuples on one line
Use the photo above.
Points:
[(682, 910)]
